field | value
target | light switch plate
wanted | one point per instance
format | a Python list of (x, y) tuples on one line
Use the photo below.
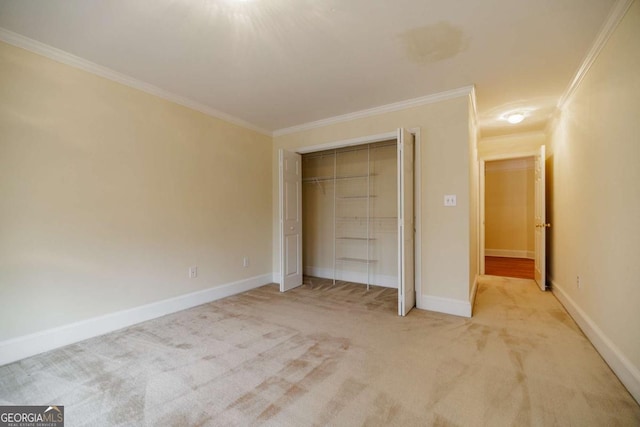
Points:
[(450, 200)]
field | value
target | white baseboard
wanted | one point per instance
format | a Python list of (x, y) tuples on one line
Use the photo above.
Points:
[(445, 305), (353, 276), (29, 345), (510, 253), (628, 374)]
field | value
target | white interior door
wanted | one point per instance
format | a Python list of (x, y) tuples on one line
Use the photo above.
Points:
[(290, 220), (481, 225), (406, 280), (541, 221)]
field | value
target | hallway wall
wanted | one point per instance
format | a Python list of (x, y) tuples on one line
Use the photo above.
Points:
[(595, 202)]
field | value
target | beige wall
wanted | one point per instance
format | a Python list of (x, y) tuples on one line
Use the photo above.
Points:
[(108, 195), (445, 161), (527, 143), (509, 207), (595, 211)]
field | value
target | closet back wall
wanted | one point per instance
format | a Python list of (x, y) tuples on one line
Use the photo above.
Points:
[(317, 215), (342, 227)]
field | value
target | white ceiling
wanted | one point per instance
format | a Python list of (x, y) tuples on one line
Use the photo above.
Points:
[(280, 63)]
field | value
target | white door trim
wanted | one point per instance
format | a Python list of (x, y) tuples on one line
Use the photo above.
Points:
[(509, 156), (417, 209)]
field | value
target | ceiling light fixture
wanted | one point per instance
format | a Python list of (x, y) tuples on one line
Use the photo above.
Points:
[(515, 118)]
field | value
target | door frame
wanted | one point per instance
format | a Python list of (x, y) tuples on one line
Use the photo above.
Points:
[(482, 183), (417, 175)]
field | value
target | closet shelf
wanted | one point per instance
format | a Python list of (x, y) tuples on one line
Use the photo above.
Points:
[(358, 260), (364, 218), (355, 197), (356, 238), (318, 179)]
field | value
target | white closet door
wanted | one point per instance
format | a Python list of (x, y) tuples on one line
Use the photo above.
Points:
[(406, 279), (290, 220)]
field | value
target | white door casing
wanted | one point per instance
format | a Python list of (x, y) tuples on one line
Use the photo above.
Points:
[(541, 221), (406, 279), (290, 220)]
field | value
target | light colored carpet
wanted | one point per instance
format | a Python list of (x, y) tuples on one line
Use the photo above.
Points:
[(323, 355)]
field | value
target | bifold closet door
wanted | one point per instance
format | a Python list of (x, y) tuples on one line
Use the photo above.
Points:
[(290, 220), (406, 277)]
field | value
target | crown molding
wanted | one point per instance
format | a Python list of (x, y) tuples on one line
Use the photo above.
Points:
[(609, 26), (414, 102), (75, 61)]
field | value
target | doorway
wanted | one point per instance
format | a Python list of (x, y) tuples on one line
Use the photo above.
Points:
[(510, 217), (512, 212)]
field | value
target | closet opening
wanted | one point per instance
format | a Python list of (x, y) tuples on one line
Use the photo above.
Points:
[(347, 214)]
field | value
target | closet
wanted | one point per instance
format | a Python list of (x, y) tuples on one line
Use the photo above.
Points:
[(349, 214), (354, 205)]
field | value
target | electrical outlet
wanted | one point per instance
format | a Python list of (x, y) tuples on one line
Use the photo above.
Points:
[(193, 272), (578, 284), (245, 262), (450, 200)]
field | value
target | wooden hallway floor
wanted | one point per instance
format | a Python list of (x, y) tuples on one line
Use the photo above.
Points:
[(521, 268)]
